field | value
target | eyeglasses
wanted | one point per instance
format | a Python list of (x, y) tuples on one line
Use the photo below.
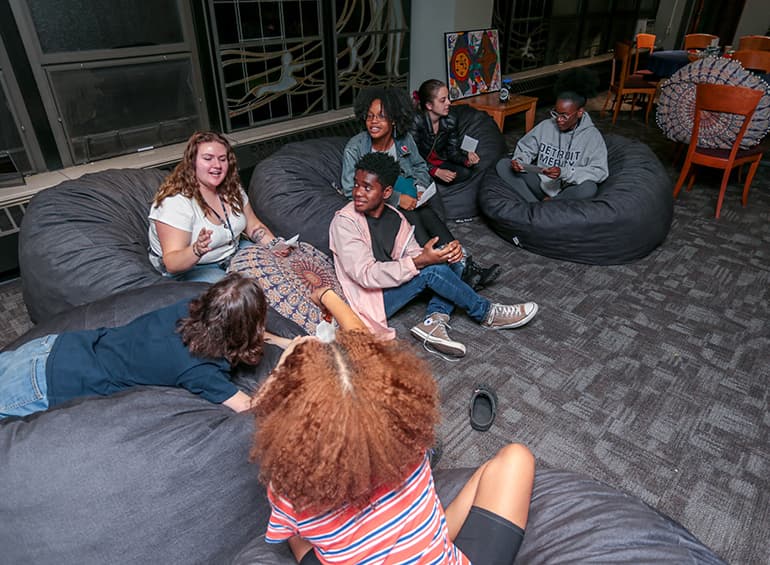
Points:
[(375, 117), (560, 116)]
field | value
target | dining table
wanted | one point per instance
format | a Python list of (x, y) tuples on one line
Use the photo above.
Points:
[(665, 63)]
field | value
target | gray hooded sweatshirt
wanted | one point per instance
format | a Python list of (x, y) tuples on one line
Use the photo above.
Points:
[(580, 153)]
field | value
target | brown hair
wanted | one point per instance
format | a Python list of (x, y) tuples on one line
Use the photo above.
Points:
[(428, 92), (228, 320), (337, 421), (183, 180)]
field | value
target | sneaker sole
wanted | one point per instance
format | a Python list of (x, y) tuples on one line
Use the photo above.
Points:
[(525, 320), (450, 348)]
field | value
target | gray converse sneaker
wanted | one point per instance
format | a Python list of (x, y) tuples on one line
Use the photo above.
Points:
[(504, 316), (433, 331)]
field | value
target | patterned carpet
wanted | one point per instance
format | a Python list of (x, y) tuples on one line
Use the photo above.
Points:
[(651, 377)]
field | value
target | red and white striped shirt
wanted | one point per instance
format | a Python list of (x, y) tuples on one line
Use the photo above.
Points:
[(403, 525)]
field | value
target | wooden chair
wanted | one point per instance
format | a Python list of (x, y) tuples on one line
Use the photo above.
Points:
[(726, 99), (643, 41), (698, 40), (761, 42), (753, 60), (623, 84)]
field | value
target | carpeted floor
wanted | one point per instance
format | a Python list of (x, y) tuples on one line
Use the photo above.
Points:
[(651, 377)]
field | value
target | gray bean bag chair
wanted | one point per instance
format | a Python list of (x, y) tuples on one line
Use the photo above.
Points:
[(158, 475), (572, 519), (150, 475), (460, 199), (297, 189), (625, 221), (86, 239)]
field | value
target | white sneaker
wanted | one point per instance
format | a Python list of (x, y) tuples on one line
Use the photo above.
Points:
[(504, 316), (433, 331)]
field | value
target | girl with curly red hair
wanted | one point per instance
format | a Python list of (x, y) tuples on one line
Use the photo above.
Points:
[(343, 429)]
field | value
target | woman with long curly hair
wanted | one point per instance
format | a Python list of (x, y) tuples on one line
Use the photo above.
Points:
[(200, 211), (387, 114), (343, 429), (192, 344)]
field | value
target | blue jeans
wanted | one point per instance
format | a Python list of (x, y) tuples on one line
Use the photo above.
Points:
[(23, 387), (448, 288), (209, 272)]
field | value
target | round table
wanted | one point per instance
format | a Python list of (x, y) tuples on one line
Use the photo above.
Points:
[(665, 63)]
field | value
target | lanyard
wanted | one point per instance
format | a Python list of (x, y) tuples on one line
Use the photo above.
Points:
[(226, 221)]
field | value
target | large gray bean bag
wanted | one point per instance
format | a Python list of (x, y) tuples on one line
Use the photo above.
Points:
[(573, 519), (297, 189), (460, 199), (625, 221), (86, 239), (150, 475), (158, 475)]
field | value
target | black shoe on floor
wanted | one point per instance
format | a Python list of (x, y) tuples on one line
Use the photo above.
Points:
[(478, 277), (483, 408)]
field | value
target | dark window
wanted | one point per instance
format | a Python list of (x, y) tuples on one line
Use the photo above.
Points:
[(112, 110), (535, 33), (81, 25), (13, 156)]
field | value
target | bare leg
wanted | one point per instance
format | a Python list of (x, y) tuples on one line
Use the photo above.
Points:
[(299, 547), (502, 485)]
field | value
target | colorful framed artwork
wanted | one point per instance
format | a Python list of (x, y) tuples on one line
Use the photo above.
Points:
[(473, 62)]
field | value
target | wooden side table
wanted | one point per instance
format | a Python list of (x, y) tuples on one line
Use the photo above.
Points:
[(490, 103)]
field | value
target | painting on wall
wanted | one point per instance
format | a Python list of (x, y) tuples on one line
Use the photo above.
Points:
[(473, 62)]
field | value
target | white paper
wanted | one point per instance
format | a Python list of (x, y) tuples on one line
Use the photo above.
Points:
[(427, 194), (530, 168), (469, 144), (287, 244)]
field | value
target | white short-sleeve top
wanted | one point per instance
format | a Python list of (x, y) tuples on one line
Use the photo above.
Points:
[(185, 213)]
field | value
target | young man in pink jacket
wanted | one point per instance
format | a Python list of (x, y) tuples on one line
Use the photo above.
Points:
[(382, 268)]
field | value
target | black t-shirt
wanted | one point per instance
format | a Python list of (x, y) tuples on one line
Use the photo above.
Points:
[(383, 231)]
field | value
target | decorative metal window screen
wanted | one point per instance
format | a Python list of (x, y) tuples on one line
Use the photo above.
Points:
[(372, 46), (281, 59), (523, 28)]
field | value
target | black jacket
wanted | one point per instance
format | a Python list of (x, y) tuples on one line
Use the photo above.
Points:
[(446, 143)]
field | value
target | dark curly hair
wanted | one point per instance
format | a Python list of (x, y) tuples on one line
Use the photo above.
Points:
[(576, 85), (381, 164), (396, 106), (183, 180), (228, 320), (337, 421)]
